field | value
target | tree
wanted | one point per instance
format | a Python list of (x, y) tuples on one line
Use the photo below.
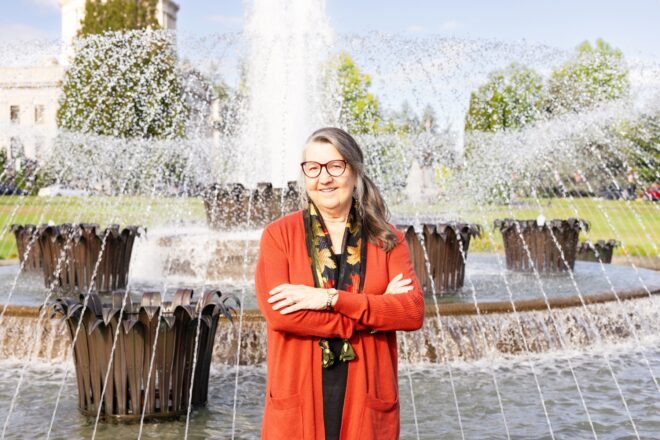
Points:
[(643, 149), (596, 74), (358, 107), (511, 98), (124, 84), (103, 16)]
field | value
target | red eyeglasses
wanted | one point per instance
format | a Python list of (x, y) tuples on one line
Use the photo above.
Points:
[(313, 169)]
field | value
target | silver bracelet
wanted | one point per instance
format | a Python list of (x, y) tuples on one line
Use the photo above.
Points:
[(331, 295)]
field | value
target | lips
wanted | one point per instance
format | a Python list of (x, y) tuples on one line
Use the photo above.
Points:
[(327, 190)]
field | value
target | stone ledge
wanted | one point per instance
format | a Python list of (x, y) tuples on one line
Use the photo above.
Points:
[(447, 309)]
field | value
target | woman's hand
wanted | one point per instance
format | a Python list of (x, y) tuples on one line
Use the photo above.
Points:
[(399, 285), (288, 298)]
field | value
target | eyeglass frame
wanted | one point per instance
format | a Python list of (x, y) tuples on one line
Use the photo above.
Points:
[(324, 165)]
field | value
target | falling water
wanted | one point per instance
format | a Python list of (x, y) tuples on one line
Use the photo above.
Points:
[(288, 44)]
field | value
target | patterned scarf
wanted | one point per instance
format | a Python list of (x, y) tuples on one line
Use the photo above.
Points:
[(324, 269)]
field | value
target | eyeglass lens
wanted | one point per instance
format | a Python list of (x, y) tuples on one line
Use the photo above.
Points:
[(335, 168)]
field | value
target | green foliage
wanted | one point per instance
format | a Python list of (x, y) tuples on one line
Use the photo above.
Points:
[(643, 150), (3, 160), (103, 16), (511, 98), (124, 84), (359, 108), (596, 74), (518, 96)]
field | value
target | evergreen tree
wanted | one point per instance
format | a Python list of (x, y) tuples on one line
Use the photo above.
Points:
[(103, 16), (124, 84)]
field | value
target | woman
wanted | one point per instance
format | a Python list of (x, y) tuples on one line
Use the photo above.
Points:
[(334, 282)]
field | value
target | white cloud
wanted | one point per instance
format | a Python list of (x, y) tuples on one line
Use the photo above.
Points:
[(228, 21), (49, 4), (21, 32), (451, 25), (416, 29)]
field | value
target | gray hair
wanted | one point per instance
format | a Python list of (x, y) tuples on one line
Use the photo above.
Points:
[(371, 206)]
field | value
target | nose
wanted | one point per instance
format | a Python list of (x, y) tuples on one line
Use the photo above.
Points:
[(325, 177)]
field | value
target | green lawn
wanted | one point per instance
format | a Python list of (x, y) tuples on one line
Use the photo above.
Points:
[(627, 220), (141, 210), (625, 217)]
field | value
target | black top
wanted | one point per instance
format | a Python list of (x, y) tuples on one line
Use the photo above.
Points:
[(334, 383)]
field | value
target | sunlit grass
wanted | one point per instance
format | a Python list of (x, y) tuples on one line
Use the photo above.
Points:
[(137, 210), (627, 220), (634, 223)]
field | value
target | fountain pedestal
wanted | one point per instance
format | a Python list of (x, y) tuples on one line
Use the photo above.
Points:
[(600, 251), (232, 206), (445, 246), (29, 253), (75, 256), (547, 246), (180, 332)]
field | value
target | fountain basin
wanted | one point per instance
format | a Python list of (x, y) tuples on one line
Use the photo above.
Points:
[(484, 276), (451, 332)]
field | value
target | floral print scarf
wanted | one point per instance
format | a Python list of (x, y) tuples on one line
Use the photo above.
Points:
[(324, 269)]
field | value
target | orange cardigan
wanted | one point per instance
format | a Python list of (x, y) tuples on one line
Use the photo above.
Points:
[(294, 400)]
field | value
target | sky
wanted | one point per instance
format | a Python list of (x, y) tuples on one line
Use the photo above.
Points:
[(630, 25)]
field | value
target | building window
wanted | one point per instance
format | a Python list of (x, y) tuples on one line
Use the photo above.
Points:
[(14, 114), (39, 114)]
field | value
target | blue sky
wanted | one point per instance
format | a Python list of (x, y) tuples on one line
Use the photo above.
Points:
[(631, 25)]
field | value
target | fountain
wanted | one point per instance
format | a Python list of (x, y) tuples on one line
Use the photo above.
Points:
[(539, 245), (29, 253), (230, 206), (114, 360), (437, 247), (600, 251), (522, 337), (69, 254)]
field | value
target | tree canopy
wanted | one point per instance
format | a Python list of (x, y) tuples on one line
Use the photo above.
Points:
[(517, 95), (118, 15), (358, 107), (595, 74), (510, 99), (124, 84)]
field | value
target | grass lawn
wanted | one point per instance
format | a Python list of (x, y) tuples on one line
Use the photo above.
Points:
[(624, 217), (609, 219), (144, 211)]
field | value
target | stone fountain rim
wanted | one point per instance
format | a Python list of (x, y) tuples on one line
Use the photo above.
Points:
[(450, 309)]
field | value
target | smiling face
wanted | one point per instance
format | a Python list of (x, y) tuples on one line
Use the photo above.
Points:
[(331, 195)]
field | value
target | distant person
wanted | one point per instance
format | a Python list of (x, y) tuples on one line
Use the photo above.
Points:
[(652, 193), (334, 282), (631, 188)]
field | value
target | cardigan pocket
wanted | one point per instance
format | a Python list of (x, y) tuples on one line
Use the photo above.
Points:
[(380, 419), (283, 418)]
